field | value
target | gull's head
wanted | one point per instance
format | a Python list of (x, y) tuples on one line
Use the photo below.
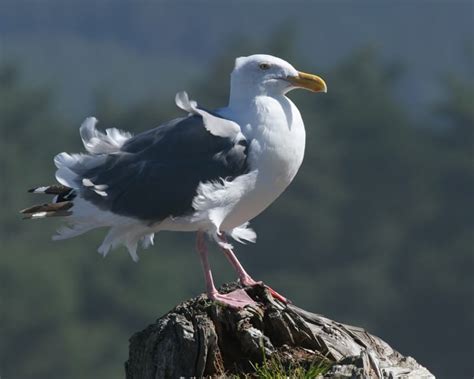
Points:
[(267, 75)]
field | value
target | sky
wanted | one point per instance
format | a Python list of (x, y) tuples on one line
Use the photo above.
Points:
[(80, 47)]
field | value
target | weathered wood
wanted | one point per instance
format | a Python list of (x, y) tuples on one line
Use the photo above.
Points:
[(201, 338)]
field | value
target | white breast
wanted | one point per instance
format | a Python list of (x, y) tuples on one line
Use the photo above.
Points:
[(276, 151), (277, 140)]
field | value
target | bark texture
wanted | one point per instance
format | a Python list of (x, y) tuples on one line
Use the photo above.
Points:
[(202, 338)]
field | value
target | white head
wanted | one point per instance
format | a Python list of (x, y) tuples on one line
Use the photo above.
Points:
[(266, 75)]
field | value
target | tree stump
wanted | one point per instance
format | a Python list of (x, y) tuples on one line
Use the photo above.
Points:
[(203, 338)]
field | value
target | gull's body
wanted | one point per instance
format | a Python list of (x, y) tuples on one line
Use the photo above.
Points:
[(275, 155), (210, 172)]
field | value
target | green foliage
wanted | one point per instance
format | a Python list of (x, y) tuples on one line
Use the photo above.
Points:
[(274, 368)]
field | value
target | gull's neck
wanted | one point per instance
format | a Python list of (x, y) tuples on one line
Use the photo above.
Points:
[(247, 101), (244, 92), (241, 98)]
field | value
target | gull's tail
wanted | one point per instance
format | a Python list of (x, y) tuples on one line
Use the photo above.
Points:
[(60, 206), (83, 215)]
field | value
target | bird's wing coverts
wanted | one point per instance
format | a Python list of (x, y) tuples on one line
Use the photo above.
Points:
[(215, 125), (155, 174)]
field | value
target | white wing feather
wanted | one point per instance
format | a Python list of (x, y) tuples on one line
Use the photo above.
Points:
[(219, 127), (97, 142)]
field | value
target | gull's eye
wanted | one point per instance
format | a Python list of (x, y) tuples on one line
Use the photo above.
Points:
[(264, 66)]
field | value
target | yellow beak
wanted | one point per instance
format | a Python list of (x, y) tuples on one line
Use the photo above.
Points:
[(308, 81)]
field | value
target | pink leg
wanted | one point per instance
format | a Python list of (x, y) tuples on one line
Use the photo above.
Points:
[(244, 277), (237, 298)]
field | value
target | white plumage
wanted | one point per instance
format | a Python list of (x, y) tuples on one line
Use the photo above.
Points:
[(257, 143)]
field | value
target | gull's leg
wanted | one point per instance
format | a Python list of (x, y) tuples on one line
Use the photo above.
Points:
[(237, 298), (244, 278)]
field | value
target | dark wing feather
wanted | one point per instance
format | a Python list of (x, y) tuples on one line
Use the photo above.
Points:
[(157, 172)]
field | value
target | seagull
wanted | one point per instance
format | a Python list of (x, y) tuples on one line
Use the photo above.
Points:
[(209, 172)]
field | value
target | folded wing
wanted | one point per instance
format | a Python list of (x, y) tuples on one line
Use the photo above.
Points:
[(155, 174)]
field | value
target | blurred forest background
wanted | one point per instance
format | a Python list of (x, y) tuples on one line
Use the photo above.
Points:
[(375, 231)]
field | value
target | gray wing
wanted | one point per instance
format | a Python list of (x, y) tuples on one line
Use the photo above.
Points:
[(156, 173)]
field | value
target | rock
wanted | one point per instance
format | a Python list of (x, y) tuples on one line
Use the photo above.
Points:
[(203, 338)]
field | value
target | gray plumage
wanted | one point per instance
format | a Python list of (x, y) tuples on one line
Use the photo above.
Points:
[(156, 173)]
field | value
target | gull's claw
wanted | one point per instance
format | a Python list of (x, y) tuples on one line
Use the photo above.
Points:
[(249, 282), (234, 299)]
